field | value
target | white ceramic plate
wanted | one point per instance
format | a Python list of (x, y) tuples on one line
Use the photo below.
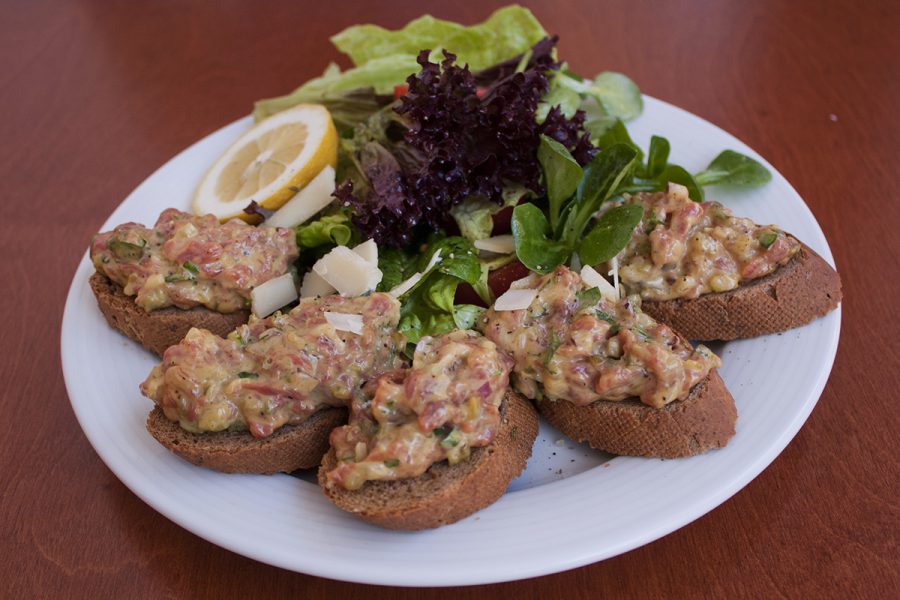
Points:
[(572, 506)]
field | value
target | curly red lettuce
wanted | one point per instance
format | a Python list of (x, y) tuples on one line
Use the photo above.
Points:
[(454, 135)]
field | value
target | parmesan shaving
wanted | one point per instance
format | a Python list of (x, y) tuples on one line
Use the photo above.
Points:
[(268, 297), (499, 244), (345, 322), (595, 279), (404, 286), (614, 271), (526, 283), (369, 251), (435, 259), (313, 285), (315, 196), (515, 299), (348, 272)]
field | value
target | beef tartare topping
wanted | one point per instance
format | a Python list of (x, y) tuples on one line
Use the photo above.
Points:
[(441, 408), (573, 344), (683, 249), (278, 370), (187, 260)]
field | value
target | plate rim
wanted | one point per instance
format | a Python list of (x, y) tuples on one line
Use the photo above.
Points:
[(683, 516)]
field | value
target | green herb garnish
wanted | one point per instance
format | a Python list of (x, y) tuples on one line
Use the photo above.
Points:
[(605, 316), (189, 266), (651, 223), (589, 297), (392, 462), (248, 375), (452, 440), (127, 250), (552, 345), (442, 431), (767, 239)]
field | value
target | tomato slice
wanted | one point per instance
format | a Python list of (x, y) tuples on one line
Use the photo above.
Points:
[(400, 90)]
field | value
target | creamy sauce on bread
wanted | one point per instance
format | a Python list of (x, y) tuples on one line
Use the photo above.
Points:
[(186, 260), (276, 371), (573, 344), (683, 249), (441, 408)]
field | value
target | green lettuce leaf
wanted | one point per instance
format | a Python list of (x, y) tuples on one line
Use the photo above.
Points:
[(733, 168), (474, 215), (383, 59), (608, 97), (507, 32), (466, 315), (337, 90), (396, 266), (562, 175), (330, 229)]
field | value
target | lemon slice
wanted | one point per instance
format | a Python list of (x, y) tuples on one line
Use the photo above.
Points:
[(270, 163)]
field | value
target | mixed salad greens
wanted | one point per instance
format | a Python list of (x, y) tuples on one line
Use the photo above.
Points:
[(453, 134)]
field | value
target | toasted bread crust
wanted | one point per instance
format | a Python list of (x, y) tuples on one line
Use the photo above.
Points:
[(290, 448), (797, 293), (702, 421), (159, 329), (445, 494)]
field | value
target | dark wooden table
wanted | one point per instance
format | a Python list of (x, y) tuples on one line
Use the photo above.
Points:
[(94, 96)]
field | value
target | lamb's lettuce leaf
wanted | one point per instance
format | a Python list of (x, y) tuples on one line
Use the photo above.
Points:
[(542, 248), (610, 235), (733, 168), (562, 173), (607, 97), (536, 246)]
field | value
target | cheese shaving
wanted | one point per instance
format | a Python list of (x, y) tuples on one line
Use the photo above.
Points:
[(499, 244), (614, 272), (595, 279), (307, 202), (515, 299), (348, 272), (313, 285), (404, 286), (526, 283), (268, 297), (368, 250), (345, 322)]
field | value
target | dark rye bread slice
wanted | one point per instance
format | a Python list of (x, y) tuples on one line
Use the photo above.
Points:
[(158, 329), (804, 289), (445, 494), (702, 421), (290, 448)]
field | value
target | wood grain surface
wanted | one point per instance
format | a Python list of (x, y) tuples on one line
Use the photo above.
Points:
[(94, 96)]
